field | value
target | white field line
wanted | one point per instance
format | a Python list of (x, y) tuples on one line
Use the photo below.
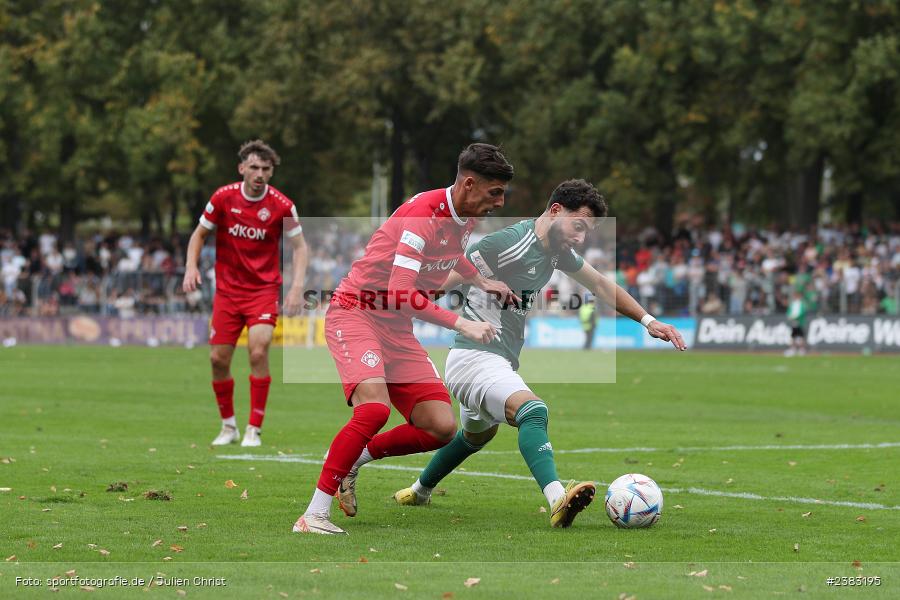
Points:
[(715, 448), (691, 490)]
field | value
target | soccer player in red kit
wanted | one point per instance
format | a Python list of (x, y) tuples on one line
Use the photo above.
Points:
[(368, 326), (249, 218)]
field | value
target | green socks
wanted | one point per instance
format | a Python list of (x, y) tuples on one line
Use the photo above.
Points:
[(534, 444), (448, 458)]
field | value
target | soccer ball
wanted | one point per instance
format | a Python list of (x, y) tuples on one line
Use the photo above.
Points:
[(634, 501)]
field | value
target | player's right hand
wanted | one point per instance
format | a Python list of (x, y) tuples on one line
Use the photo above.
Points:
[(192, 279), (477, 331)]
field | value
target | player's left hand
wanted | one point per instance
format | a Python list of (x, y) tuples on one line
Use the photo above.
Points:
[(293, 302), (667, 333), (499, 290)]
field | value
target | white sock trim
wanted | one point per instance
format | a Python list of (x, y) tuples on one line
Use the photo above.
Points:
[(230, 421), (365, 457), (553, 491), (320, 504), (421, 490)]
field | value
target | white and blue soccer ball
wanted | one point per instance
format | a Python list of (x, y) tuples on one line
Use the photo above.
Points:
[(634, 501)]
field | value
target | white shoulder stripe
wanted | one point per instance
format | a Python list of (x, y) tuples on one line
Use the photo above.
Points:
[(515, 247), (207, 223), (519, 253), (407, 262)]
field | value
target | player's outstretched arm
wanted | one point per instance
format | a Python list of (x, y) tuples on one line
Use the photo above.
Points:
[(293, 299), (624, 303), (192, 278)]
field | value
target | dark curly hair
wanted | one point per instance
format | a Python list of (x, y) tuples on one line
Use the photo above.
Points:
[(575, 193)]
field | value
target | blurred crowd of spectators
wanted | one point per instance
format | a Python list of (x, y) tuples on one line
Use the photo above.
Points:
[(837, 269)]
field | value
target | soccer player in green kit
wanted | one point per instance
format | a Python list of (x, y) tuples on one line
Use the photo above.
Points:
[(483, 377)]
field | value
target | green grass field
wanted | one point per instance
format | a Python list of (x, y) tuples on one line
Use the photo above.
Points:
[(727, 437)]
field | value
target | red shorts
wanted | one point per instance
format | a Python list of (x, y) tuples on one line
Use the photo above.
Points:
[(364, 348), (232, 313)]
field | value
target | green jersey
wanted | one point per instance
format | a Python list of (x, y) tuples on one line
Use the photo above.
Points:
[(514, 256)]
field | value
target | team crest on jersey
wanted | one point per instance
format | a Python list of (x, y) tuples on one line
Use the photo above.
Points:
[(264, 214), (465, 240), (554, 260), (370, 359)]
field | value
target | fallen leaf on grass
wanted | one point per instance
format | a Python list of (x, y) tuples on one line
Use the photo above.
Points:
[(702, 573), (158, 495), (156, 543), (363, 559), (315, 570), (117, 486), (283, 594), (201, 525), (856, 564), (181, 593), (792, 463), (167, 558), (741, 577), (861, 519), (176, 548), (401, 587), (5, 489), (88, 588), (244, 495), (796, 547), (103, 552), (11, 558), (806, 514), (58, 546), (709, 588), (542, 510), (230, 484), (31, 544), (472, 581), (372, 550), (447, 595), (71, 573), (624, 596), (628, 565), (727, 588), (554, 581), (713, 530), (46, 509), (678, 506), (182, 528)]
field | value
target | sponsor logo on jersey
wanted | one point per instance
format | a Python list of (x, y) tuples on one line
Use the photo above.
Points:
[(532, 270), (236, 211), (264, 214), (546, 448), (210, 208), (554, 260), (370, 359), (480, 264), (441, 265), (412, 240), (265, 317), (250, 233), (444, 242)]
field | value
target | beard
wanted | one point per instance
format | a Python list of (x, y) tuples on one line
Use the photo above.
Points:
[(556, 237)]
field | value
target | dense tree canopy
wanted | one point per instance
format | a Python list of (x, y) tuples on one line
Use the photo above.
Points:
[(734, 109)]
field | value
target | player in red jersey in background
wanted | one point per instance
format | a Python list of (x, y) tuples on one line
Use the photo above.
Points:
[(249, 218), (369, 329)]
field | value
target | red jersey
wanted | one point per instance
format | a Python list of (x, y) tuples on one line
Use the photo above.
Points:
[(425, 237), (248, 233)]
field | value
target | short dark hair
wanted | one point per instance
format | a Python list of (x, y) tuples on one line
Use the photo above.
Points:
[(485, 160), (261, 149), (575, 193)]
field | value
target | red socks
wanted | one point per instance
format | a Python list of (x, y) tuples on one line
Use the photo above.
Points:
[(402, 440), (259, 393), (348, 444), (225, 397)]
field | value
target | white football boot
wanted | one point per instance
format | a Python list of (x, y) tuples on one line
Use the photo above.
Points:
[(251, 437), (228, 435), (316, 524)]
